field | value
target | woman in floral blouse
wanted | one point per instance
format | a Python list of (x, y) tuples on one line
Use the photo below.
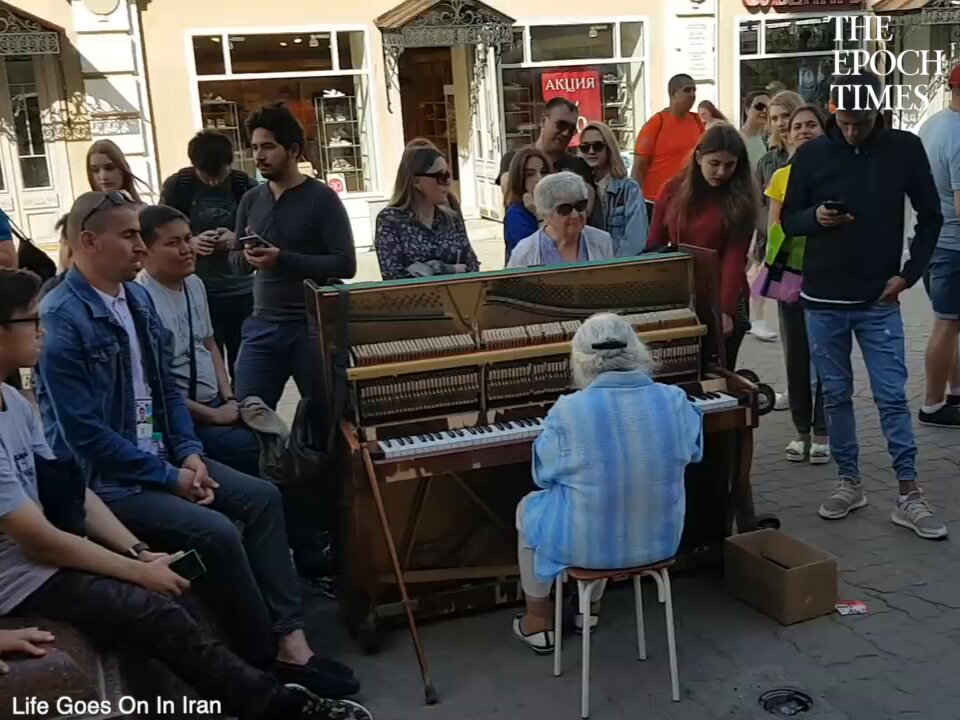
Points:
[(418, 233)]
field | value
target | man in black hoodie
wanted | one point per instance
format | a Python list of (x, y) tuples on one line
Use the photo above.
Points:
[(846, 196)]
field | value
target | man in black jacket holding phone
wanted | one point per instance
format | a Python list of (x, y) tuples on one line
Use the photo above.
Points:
[(846, 196)]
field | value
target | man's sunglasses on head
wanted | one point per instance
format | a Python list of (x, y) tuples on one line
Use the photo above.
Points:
[(117, 198)]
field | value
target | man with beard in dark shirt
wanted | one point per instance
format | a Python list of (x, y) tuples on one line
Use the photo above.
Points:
[(290, 229)]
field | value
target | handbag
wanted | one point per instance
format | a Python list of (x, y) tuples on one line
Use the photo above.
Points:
[(781, 276), (32, 258)]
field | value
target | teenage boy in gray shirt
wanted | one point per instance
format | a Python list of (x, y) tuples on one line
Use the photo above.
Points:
[(290, 229)]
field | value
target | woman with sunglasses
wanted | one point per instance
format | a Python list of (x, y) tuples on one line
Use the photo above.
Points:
[(755, 110), (562, 201), (624, 213), (108, 169), (713, 204), (418, 233)]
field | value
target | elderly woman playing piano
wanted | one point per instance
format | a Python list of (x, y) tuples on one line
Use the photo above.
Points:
[(563, 201), (610, 460)]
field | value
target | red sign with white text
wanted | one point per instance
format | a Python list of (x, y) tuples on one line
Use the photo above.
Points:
[(578, 86), (802, 5)]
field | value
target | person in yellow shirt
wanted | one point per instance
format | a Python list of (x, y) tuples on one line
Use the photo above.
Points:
[(806, 407)]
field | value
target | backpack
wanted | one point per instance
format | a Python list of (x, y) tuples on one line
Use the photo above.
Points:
[(186, 186)]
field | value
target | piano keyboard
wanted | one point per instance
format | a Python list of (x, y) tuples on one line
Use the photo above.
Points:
[(461, 439), (709, 402), (512, 431)]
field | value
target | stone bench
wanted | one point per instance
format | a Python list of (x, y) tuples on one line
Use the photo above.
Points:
[(74, 669)]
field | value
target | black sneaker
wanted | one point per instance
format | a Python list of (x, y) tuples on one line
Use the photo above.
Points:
[(313, 707), (953, 400), (328, 679), (946, 417)]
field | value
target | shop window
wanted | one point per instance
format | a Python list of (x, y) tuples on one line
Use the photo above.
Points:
[(807, 35), (208, 55), (334, 112), (280, 52), (631, 39), (350, 50), (808, 76), (514, 56), (550, 43), (750, 37), (611, 92), (27, 123)]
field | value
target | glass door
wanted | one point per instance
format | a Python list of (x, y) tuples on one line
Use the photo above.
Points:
[(35, 188), (487, 139)]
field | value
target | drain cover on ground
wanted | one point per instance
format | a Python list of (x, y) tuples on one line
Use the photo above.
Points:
[(785, 701)]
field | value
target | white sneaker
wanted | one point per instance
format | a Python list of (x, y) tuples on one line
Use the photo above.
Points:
[(760, 331)]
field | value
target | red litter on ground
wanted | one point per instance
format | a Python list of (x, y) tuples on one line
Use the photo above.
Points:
[(852, 607)]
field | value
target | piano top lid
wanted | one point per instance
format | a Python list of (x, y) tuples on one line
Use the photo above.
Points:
[(652, 257)]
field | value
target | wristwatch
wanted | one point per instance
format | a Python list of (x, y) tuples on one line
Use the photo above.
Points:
[(135, 551)]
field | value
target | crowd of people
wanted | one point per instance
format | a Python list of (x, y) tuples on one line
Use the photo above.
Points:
[(161, 350)]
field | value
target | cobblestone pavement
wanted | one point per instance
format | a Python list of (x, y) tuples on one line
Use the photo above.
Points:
[(900, 661)]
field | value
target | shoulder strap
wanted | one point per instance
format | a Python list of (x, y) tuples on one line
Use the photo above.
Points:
[(340, 362), (192, 387), (238, 184), (183, 195)]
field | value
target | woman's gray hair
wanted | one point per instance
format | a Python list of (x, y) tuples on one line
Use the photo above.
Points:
[(606, 342), (556, 189)]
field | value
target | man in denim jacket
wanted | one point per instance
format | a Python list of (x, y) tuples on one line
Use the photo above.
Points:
[(108, 400)]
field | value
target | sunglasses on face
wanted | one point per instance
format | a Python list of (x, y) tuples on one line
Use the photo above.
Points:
[(442, 178), (594, 147), (563, 126), (117, 198), (564, 209), (33, 319)]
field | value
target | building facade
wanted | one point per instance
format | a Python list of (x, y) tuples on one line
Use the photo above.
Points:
[(367, 76)]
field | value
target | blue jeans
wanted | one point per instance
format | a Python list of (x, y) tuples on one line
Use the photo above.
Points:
[(879, 332), (272, 352), (250, 584), (233, 445)]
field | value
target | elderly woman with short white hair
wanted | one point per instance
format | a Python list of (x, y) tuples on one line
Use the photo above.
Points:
[(562, 200), (610, 461)]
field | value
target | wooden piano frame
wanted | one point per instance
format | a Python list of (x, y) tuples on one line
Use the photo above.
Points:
[(374, 594)]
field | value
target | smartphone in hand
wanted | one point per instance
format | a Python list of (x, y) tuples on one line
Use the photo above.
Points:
[(190, 566), (254, 241), (837, 207)]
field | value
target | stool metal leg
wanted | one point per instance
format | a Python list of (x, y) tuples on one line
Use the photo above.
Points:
[(585, 593), (641, 631), (671, 640), (557, 625)]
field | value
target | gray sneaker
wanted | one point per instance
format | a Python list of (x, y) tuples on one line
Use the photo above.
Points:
[(917, 514), (848, 496)]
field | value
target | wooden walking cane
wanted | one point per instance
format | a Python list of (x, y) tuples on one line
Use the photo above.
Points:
[(430, 694)]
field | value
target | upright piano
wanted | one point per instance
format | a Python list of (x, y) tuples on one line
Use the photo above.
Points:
[(444, 384)]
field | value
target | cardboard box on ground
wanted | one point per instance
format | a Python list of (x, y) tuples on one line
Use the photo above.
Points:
[(782, 577)]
